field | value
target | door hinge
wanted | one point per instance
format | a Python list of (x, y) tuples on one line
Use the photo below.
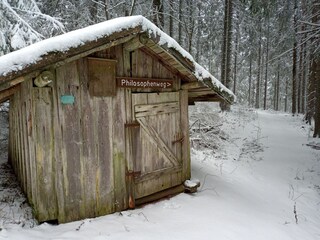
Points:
[(179, 140), (132, 125), (133, 174)]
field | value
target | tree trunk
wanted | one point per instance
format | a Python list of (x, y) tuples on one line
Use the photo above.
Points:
[(236, 61), (226, 50), (294, 61), (171, 18), (315, 69), (266, 73), (190, 24), (315, 75), (257, 101), (133, 5), (157, 13), (250, 79), (180, 22), (198, 49), (106, 12), (277, 90), (286, 97)]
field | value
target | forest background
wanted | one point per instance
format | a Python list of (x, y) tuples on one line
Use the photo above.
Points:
[(266, 52)]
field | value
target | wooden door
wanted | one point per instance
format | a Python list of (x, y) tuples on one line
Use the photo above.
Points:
[(156, 145)]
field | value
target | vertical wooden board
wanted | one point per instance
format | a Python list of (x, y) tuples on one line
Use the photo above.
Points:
[(111, 52), (31, 145), (119, 162), (134, 64), (19, 143), (47, 202), (59, 153), (12, 118), (26, 160), (139, 62), (185, 148), (104, 177), (10, 135), (139, 99), (167, 123), (16, 144), (146, 64), (68, 75), (89, 159), (131, 140), (126, 63), (155, 68), (120, 60)]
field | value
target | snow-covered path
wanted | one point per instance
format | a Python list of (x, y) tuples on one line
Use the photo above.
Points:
[(250, 185)]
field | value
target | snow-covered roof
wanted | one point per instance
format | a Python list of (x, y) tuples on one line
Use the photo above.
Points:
[(47, 52)]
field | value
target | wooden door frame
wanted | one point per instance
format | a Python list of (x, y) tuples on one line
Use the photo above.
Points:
[(185, 148)]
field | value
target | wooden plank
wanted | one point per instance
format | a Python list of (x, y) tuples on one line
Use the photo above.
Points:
[(72, 142), (204, 99), (20, 145), (59, 154), (165, 193), (156, 109), (120, 60), (130, 148), (102, 77), (105, 153), (32, 184), (118, 139), (155, 138), (26, 182), (191, 85), (6, 94), (158, 174), (89, 159), (133, 44), (185, 147), (47, 203)]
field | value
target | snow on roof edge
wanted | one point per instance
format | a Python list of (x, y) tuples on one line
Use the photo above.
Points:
[(18, 60)]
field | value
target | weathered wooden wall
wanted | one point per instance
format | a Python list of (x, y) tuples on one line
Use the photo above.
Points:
[(72, 160)]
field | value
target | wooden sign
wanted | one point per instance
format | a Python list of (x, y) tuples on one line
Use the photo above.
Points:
[(127, 82)]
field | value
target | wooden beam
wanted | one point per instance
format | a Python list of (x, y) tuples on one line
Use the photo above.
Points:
[(204, 99), (137, 42), (6, 94), (133, 44), (159, 195), (191, 85), (200, 94)]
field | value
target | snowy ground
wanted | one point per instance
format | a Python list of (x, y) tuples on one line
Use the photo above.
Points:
[(259, 180)]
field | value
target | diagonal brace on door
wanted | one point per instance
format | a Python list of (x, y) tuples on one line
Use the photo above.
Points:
[(156, 139)]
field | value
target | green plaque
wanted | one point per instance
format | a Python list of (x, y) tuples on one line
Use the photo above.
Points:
[(67, 99)]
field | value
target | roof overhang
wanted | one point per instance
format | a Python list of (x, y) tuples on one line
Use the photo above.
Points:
[(137, 30)]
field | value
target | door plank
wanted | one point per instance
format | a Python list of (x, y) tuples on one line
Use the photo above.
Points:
[(155, 138), (156, 109)]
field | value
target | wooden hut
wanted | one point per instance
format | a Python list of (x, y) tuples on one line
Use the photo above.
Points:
[(99, 117)]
